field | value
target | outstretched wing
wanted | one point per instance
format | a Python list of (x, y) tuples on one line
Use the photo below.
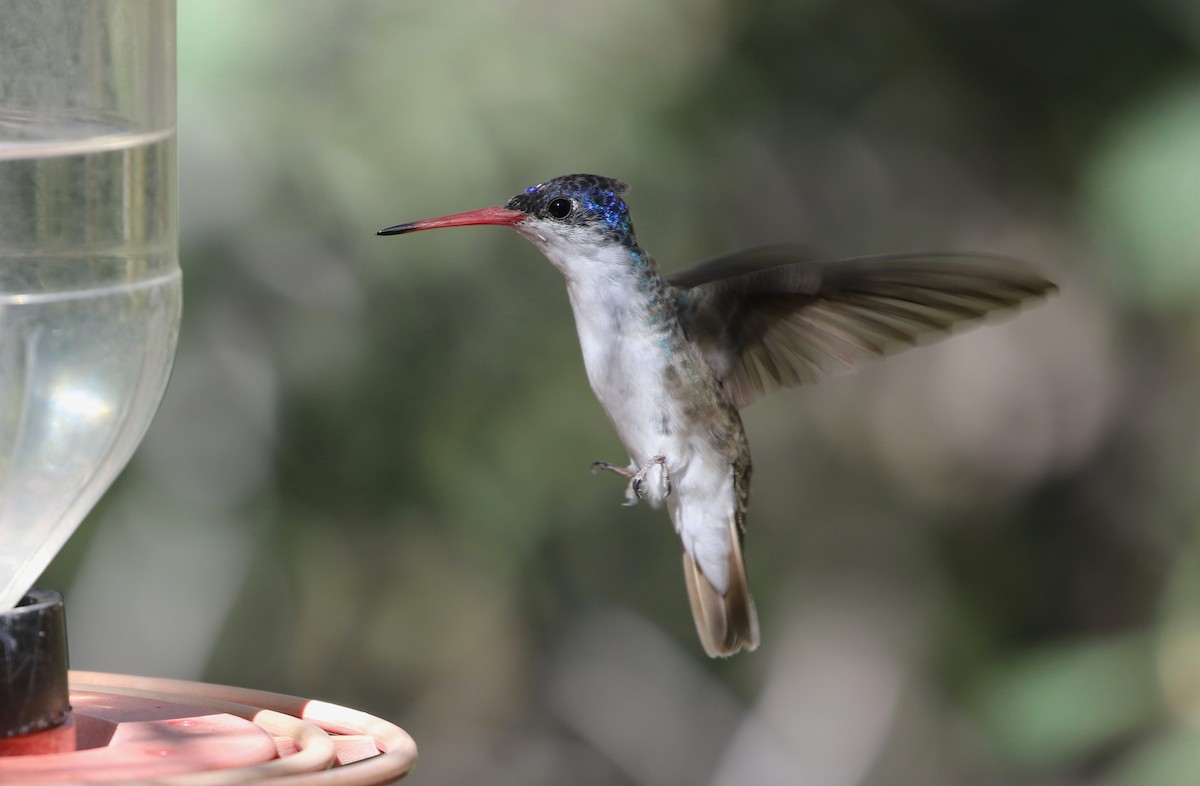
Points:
[(767, 318)]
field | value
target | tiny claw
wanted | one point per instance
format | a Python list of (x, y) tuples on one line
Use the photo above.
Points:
[(639, 478), (633, 492), (597, 466)]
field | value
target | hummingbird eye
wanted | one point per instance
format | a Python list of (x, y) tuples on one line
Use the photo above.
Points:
[(559, 208)]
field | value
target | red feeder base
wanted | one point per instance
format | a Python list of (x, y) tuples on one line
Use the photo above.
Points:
[(137, 728)]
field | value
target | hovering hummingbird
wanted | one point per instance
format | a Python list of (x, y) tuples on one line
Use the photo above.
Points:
[(672, 359)]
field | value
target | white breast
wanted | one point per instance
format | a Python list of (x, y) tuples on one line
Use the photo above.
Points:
[(627, 355)]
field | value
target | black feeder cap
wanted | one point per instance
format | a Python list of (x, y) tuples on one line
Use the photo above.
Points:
[(33, 665)]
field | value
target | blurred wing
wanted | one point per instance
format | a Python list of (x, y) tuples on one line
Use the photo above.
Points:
[(767, 318)]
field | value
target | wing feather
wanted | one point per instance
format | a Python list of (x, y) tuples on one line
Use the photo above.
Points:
[(769, 318)]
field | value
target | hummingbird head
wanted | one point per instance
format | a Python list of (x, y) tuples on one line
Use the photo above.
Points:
[(578, 205), (567, 218)]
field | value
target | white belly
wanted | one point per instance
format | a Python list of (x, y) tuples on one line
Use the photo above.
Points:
[(626, 364)]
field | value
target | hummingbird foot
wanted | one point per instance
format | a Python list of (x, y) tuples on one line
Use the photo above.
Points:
[(624, 472), (631, 496), (639, 478)]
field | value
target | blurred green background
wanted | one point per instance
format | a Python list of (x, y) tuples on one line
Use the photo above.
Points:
[(975, 563)]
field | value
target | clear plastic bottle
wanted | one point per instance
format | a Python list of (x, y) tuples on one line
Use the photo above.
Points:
[(89, 276)]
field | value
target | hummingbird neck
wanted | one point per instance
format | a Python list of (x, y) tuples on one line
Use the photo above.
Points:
[(625, 276), (619, 293), (591, 260)]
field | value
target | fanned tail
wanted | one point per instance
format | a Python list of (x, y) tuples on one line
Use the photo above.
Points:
[(726, 623)]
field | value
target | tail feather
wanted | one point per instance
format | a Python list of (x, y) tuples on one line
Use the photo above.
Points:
[(726, 623)]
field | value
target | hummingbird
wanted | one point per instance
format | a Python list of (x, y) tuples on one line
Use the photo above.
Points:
[(672, 359)]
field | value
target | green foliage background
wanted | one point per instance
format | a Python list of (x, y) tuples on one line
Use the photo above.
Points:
[(975, 563)]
